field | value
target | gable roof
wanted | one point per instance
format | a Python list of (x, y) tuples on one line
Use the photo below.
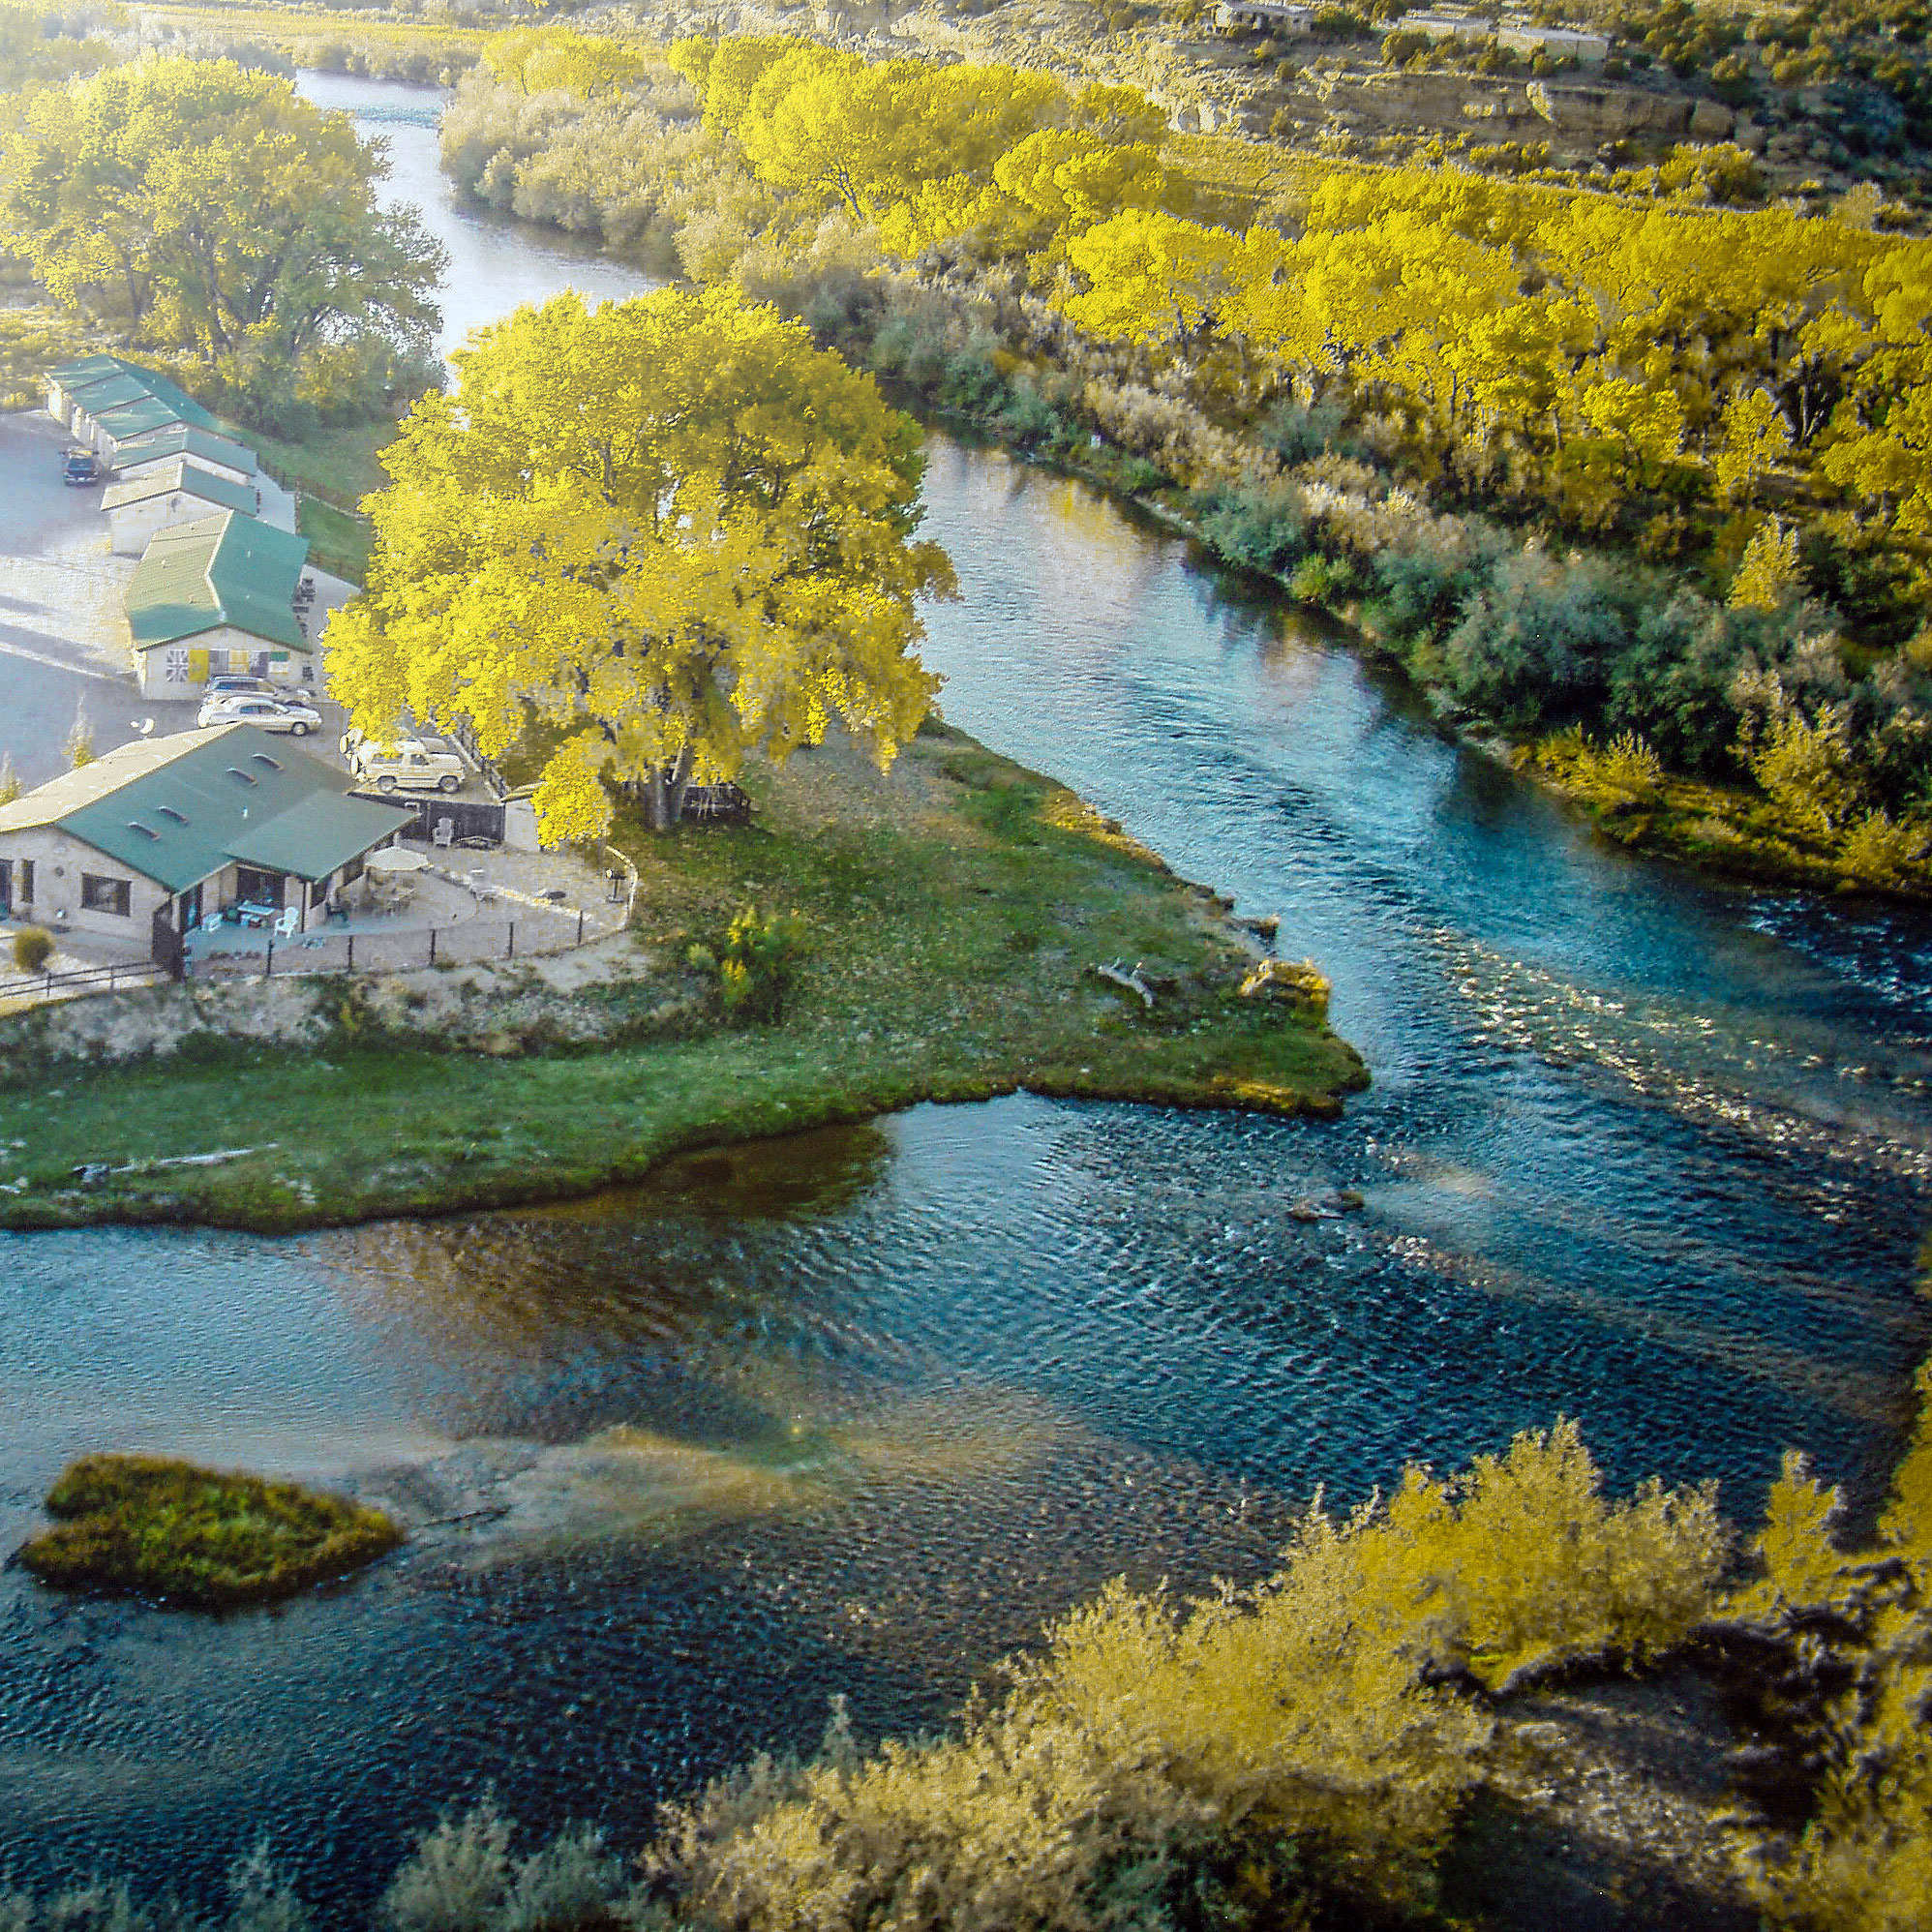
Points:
[(177, 809), (189, 479), (108, 392), (227, 569), (102, 382), (150, 413), (86, 369), (182, 439)]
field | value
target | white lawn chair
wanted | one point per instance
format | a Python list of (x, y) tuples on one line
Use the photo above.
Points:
[(212, 924), (285, 926), (444, 834)]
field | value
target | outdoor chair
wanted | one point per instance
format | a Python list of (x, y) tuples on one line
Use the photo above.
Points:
[(212, 922), (444, 834), (285, 926)]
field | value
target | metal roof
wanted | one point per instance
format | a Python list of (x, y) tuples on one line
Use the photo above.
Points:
[(219, 492), (86, 369), (101, 382), (228, 569), (183, 440), (178, 809), (109, 391), (150, 413)]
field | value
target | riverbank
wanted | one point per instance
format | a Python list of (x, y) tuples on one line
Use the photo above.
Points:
[(957, 914)]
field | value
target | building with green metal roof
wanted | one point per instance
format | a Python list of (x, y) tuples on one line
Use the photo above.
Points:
[(113, 428), (161, 445), (217, 595), (156, 835), (175, 492), (106, 398)]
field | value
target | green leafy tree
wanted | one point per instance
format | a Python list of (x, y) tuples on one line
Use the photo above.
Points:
[(197, 205)]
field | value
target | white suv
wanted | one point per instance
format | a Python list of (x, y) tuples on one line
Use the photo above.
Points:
[(410, 765)]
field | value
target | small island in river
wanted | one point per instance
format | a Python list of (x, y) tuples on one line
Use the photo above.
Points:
[(201, 1539), (955, 922)]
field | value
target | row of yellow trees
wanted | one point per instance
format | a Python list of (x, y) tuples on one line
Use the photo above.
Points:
[(1656, 361)]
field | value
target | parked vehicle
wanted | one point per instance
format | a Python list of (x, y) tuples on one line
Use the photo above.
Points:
[(235, 685), (287, 714), (79, 468), (410, 765)]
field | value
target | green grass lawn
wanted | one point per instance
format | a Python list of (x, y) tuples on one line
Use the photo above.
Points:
[(148, 1526), (338, 463), (339, 540), (953, 911)]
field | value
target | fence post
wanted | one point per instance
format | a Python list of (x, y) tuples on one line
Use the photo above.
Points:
[(512, 952), (580, 925), (432, 946), (351, 967), (268, 971)]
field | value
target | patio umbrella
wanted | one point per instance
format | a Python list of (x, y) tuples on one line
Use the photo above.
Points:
[(394, 859)]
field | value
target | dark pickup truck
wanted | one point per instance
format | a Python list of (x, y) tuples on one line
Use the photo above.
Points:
[(79, 468)]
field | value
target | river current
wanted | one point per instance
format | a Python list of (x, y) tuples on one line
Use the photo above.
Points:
[(856, 1412)]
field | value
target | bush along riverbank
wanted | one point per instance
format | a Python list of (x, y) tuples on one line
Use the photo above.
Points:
[(956, 930), (1530, 441)]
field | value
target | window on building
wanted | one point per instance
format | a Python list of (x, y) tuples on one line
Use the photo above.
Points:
[(26, 881), (318, 894), (105, 896)]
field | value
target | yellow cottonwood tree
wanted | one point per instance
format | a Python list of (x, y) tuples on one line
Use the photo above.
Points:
[(535, 59), (1151, 277), (670, 531)]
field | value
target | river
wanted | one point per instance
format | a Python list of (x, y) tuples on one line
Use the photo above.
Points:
[(854, 1412)]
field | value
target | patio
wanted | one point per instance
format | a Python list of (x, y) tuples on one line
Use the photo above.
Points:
[(459, 907)]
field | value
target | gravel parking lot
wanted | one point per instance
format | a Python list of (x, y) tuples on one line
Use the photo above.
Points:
[(63, 636)]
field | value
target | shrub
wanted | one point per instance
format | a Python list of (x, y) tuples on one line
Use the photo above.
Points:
[(32, 948), (1626, 765), (1805, 766), (1881, 850), (1320, 579), (1275, 1748), (148, 1526), (1537, 637), (1340, 23), (756, 964), (1259, 528), (462, 1877)]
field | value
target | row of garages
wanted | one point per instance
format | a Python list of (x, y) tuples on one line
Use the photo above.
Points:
[(216, 589)]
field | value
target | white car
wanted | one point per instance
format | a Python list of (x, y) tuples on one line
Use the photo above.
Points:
[(290, 714), (410, 765)]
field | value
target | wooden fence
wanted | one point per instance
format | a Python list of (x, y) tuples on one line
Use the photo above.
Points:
[(468, 943), (81, 979)]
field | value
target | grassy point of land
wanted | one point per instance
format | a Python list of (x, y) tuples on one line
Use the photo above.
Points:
[(955, 912), (149, 1525)]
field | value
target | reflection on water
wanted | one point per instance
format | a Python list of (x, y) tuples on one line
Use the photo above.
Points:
[(857, 1410)]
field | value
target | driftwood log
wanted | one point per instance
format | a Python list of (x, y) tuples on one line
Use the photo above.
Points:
[(1128, 981)]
